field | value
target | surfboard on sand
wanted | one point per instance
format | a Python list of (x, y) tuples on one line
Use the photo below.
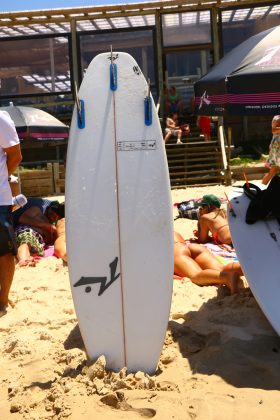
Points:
[(119, 226), (258, 250)]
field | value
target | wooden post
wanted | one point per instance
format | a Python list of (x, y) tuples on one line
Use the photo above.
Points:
[(50, 169), (75, 73), (159, 63), (56, 177), (222, 138), (229, 138), (215, 32)]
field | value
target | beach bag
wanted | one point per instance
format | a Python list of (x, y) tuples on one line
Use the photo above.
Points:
[(264, 203), (188, 209)]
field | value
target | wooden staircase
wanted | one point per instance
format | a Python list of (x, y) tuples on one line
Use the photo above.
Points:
[(195, 162)]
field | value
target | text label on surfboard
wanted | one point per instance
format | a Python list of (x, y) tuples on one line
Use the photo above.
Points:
[(131, 146), (87, 281)]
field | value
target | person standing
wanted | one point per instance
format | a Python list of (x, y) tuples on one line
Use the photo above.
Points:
[(273, 161), (10, 157), (204, 124)]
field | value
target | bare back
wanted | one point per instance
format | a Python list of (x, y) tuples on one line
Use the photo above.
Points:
[(216, 223)]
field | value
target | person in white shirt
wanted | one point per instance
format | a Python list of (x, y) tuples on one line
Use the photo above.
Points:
[(10, 157)]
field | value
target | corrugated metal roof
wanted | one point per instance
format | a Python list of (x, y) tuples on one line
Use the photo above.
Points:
[(55, 21)]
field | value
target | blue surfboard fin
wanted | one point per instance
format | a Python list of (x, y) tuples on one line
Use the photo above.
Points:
[(81, 114), (113, 77), (113, 73), (148, 106), (80, 109), (148, 110)]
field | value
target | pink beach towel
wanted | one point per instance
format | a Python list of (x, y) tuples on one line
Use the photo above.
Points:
[(48, 252)]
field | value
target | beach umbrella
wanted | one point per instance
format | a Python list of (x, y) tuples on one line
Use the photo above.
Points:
[(246, 81), (36, 124)]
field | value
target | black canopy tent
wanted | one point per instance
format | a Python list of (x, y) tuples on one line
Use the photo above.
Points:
[(246, 81)]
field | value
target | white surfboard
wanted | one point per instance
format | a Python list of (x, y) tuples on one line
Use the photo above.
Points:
[(119, 226), (258, 250)]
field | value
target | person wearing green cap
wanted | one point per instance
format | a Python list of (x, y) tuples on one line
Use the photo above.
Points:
[(212, 220)]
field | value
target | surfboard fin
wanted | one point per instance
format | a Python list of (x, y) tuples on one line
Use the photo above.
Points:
[(113, 73), (148, 106), (80, 109)]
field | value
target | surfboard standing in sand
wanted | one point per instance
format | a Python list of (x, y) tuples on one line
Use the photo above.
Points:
[(119, 227)]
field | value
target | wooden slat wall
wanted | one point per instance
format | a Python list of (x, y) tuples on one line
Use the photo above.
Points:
[(42, 182)]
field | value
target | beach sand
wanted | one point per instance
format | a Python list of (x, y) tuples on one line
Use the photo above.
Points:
[(220, 359)]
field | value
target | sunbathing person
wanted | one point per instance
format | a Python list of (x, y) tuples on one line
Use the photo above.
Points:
[(40, 214), (212, 219), (35, 228), (60, 243), (202, 267)]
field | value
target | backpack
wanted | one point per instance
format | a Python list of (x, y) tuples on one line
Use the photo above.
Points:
[(188, 210), (264, 203)]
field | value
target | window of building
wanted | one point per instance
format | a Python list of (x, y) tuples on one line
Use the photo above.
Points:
[(183, 69), (34, 66), (186, 28), (240, 24)]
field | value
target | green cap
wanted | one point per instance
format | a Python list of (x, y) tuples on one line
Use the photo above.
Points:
[(210, 200)]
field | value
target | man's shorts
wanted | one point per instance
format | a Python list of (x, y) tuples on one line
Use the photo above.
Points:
[(172, 131), (7, 235)]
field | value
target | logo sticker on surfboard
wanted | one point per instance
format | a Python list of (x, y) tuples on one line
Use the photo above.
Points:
[(132, 146), (113, 57), (137, 70), (88, 281)]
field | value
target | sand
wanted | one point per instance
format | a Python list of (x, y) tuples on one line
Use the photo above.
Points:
[(220, 359)]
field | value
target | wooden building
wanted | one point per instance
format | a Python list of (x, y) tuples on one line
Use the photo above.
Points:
[(44, 53)]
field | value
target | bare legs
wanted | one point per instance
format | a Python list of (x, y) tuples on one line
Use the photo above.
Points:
[(60, 243), (216, 278), (197, 263), (7, 268), (24, 256), (169, 134), (207, 137)]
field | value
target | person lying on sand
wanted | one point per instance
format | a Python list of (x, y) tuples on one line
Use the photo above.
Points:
[(212, 219), (35, 228), (198, 264), (60, 243), (40, 214)]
